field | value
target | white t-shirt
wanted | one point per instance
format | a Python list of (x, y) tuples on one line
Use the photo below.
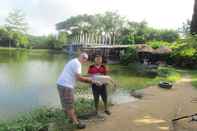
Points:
[(68, 75)]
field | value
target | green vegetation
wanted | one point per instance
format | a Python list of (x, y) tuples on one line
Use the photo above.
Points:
[(41, 119), (128, 56), (185, 52), (193, 74), (121, 29), (15, 32), (158, 44), (132, 77)]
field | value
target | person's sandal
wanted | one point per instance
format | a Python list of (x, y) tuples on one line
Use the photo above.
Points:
[(107, 112)]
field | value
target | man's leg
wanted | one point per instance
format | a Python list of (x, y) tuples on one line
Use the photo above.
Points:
[(72, 116), (67, 101)]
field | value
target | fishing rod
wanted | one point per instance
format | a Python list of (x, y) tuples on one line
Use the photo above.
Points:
[(186, 116)]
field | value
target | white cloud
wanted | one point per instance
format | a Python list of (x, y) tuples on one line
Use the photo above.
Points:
[(42, 15)]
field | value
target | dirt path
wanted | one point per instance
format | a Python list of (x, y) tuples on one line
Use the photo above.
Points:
[(154, 112)]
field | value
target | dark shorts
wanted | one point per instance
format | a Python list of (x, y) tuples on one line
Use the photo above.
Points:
[(99, 91), (66, 97)]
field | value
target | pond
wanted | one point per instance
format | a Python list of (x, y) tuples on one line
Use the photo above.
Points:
[(28, 80)]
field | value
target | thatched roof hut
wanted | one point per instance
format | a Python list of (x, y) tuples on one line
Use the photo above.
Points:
[(144, 48), (162, 50)]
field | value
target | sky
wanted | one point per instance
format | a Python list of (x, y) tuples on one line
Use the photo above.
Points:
[(42, 15)]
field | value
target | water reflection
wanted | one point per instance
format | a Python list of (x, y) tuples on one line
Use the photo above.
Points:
[(27, 80)]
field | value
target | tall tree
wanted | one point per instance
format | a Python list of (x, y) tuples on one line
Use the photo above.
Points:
[(17, 28), (186, 28), (194, 19), (16, 21)]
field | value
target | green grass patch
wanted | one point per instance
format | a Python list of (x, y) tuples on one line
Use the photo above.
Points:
[(134, 77), (193, 74), (42, 118)]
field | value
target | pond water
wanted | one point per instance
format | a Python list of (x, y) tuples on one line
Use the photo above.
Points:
[(27, 81)]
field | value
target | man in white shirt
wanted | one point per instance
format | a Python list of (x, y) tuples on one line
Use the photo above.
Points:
[(66, 84)]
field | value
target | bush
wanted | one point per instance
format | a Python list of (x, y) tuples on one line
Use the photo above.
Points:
[(128, 56), (168, 74), (185, 52), (40, 119), (158, 44)]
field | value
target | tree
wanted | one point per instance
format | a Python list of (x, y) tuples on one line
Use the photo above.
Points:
[(185, 29), (194, 19), (16, 21), (62, 38), (4, 37), (17, 29), (56, 42), (107, 22)]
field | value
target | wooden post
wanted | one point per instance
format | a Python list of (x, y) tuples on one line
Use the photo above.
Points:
[(109, 39), (114, 39)]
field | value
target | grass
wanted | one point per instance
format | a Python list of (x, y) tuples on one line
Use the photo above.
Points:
[(130, 78), (134, 78), (193, 74), (42, 118)]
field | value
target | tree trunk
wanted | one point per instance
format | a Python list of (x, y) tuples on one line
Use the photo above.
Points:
[(194, 19)]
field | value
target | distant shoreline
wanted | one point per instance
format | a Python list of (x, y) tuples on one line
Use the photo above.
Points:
[(43, 50)]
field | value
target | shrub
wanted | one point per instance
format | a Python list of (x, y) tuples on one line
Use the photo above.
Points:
[(128, 56), (40, 119), (158, 44), (185, 52)]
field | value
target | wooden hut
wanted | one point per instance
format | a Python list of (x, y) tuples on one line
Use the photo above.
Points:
[(144, 52), (161, 54)]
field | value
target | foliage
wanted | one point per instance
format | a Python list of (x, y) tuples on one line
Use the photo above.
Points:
[(121, 30), (13, 39), (185, 29), (107, 22), (161, 35), (16, 21), (48, 42), (126, 32), (56, 42), (38, 42), (132, 76), (41, 118), (128, 56), (185, 52), (158, 44), (194, 77), (141, 33), (13, 34)]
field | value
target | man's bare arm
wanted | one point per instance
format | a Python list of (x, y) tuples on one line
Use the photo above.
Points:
[(87, 80), (84, 79)]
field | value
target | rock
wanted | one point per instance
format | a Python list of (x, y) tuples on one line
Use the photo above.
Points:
[(136, 94)]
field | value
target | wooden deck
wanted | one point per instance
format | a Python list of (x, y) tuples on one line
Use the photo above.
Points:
[(97, 46), (109, 52)]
